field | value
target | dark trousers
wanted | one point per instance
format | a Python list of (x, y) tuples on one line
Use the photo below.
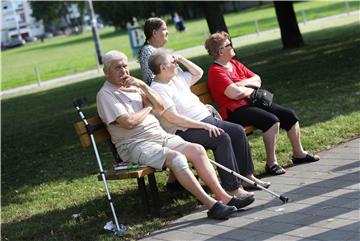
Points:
[(231, 149), (264, 118)]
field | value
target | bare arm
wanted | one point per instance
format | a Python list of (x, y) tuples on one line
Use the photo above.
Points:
[(172, 116), (195, 70), (150, 94), (131, 120), (236, 92), (253, 82)]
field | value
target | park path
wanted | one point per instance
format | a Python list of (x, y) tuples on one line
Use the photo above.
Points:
[(324, 205), (312, 25)]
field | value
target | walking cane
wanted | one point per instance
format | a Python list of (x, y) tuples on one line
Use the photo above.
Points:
[(119, 229), (282, 198)]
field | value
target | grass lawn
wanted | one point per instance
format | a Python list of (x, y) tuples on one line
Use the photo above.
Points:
[(47, 177), (65, 55)]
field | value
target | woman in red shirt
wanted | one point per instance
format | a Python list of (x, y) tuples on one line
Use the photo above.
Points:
[(231, 85)]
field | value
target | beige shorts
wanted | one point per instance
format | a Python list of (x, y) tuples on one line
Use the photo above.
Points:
[(151, 152)]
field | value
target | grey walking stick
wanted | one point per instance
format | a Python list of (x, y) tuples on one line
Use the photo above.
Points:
[(282, 198), (119, 229)]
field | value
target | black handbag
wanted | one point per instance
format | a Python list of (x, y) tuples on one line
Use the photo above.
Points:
[(261, 98)]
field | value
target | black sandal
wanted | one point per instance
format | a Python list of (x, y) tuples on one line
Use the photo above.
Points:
[(274, 170), (308, 158)]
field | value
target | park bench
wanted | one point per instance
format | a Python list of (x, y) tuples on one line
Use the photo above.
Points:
[(101, 135), (202, 91)]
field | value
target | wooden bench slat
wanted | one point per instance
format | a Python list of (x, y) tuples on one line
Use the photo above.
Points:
[(126, 174), (200, 88), (249, 130), (100, 135), (80, 126), (202, 91), (206, 99)]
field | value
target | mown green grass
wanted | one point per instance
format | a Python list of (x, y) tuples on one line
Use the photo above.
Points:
[(65, 55), (47, 177)]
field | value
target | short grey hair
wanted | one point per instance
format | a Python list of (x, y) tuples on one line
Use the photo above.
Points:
[(158, 58), (111, 56)]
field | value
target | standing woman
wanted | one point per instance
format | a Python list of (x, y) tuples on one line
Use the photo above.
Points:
[(231, 85), (185, 115), (156, 36)]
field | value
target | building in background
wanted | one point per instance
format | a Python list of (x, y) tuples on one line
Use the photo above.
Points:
[(18, 22)]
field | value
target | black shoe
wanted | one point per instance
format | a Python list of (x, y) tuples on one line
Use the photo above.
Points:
[(221, 211), (240, 203), (174, 186), (308, 158)]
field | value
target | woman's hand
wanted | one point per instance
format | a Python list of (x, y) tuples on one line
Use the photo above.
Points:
[(213, 130), (178, 58)]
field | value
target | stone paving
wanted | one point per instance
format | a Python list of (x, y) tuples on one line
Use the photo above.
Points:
[(324, 205)]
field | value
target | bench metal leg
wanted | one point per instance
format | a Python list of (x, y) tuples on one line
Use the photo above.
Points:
[(143, 194), (154, 194)]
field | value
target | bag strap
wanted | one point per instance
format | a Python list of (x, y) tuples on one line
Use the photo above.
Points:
[(228, 75), (226, 71)]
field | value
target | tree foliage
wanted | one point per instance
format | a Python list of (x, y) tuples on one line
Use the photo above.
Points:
[(52, 12), (118, 13)]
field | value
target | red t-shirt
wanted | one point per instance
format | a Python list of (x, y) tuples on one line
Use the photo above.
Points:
[(218, 81)]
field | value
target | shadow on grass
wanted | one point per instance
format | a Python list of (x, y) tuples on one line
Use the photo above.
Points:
[(319, 81), (39, 145), (60, 225)]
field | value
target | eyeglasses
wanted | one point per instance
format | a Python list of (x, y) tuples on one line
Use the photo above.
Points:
[(172, 62), (229, 44)]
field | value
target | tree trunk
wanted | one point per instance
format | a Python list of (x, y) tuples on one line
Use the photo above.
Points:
[(290, 32), (214, 17)]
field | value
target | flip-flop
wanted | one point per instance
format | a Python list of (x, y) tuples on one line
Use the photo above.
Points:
[(274, 170), (308, 158)]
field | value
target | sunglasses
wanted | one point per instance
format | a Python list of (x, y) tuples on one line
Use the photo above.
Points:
[(172, 62), (229, 44)]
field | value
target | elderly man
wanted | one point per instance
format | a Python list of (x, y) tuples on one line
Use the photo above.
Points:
[(126, 106)]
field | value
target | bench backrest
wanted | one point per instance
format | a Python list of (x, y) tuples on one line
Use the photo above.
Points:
[(202, 91), (101, 135)]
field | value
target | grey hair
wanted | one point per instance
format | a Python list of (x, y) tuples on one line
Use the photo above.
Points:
[(158, 58), (111, 56)]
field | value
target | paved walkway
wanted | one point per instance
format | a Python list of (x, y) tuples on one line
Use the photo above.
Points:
[(324, 205)]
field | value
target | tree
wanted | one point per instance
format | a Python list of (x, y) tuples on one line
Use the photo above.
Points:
[(214, 17), (289, 28), (121, 12), (54, 11)]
